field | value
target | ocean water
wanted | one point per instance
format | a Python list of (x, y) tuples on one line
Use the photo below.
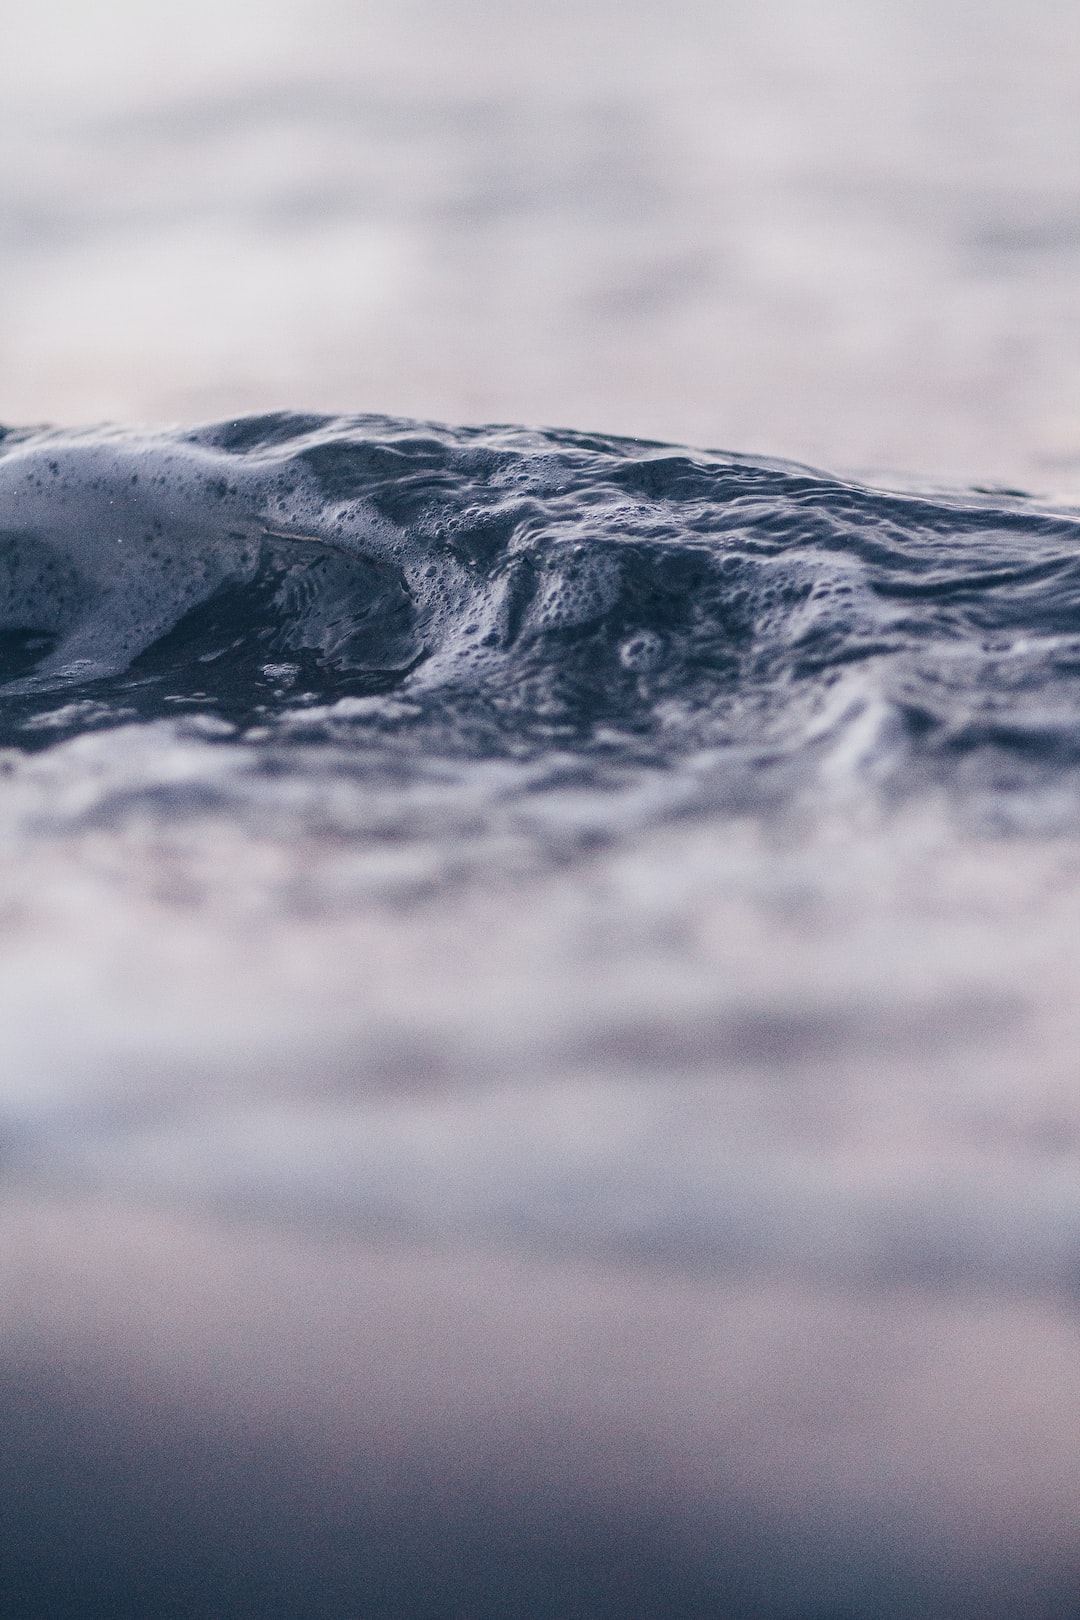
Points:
[(540, 1021), (843, 231), (538, 970)]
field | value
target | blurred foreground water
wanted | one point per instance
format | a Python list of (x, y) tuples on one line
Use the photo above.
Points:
[(540, 971)]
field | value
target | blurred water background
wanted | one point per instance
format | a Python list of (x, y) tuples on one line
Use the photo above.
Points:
[(843, 232), (459, 1191)]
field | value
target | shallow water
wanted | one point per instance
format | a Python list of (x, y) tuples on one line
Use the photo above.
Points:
[(540, 1006)]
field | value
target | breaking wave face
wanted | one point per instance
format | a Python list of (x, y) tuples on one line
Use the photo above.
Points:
[(501, 593)]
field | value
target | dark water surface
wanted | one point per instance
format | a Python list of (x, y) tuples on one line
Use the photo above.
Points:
[(540, 979), (369, 584)]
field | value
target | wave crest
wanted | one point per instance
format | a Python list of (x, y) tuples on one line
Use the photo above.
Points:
[(513, 587)]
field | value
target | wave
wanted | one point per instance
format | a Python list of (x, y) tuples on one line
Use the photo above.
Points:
[(360, 993), (494, 591)]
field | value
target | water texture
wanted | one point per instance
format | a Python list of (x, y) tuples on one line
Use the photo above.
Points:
[(539, 974), (506, 594), (540, 1006)]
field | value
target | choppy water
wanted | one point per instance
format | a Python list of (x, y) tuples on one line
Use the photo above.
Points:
[(369, 584), (542, 967)]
